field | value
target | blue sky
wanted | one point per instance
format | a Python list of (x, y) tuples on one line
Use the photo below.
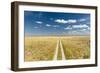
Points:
[(37, 23)]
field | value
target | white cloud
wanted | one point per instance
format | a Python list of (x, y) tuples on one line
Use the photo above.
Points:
[(81, 20), (55, 26), (61, 21), (65, 21), (67, 28), (39, 22), (72, 21), (80, 26), (48, 25), (84, 29)]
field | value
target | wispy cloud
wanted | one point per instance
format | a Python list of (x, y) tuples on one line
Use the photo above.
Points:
[(78, 32), (83, 29), (55, 25), (48, 25), (39, 22), (67, 28), (65, 21), (80, 26), (81, 20)]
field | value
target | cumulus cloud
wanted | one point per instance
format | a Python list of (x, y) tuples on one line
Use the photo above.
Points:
[(39, 22), (81, 26), (65, 21), (72, 21), (61, 21)]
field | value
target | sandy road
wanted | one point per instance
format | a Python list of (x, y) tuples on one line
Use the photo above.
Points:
[(56, 51), (59, 43), (62, 50)]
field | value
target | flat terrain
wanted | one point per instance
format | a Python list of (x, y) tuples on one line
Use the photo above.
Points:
[(39, 48), (48, 48), (76, 47)]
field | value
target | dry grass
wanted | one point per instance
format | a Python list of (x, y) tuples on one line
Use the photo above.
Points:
[(43, 48), (76, 47), (39, 48)]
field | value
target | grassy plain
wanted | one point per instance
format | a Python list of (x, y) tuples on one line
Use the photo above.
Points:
[(76, 47), (39, 48), (43, 48)]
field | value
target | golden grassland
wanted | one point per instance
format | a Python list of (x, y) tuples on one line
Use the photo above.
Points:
[(39, 48), (43, 48), (76, 47)]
